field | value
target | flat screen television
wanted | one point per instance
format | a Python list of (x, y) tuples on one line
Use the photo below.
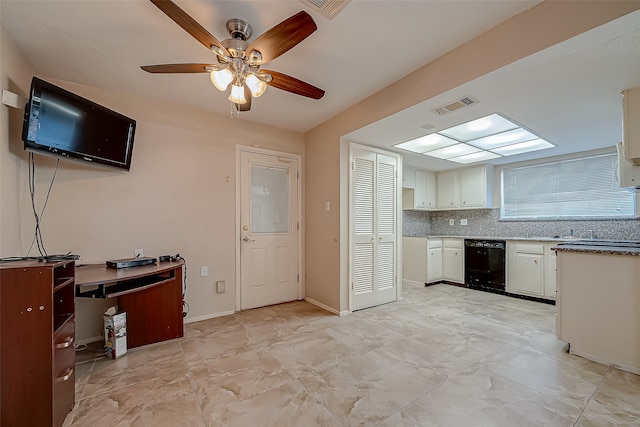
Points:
[(62, 124)]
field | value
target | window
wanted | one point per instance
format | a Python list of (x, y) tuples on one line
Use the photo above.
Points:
[(579, 188)]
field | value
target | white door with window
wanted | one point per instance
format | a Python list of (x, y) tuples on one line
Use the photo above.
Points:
[(373, 227), (269, 229)]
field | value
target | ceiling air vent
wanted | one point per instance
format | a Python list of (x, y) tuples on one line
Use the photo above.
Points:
[(455, 105), (329, 8)]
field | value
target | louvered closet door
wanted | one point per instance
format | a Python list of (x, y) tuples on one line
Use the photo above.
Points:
[(373, 228)]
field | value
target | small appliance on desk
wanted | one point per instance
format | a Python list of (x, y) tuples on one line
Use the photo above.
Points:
[(131, 262)]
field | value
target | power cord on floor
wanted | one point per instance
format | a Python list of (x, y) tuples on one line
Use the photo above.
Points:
[(185, 305)]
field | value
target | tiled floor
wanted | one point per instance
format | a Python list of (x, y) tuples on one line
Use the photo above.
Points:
[(443, 356)]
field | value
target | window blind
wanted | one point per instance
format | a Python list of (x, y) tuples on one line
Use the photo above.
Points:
[(585, 187)]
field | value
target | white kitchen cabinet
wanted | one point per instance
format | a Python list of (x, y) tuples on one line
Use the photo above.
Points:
[(473, 187), (414, 259), (425, 190), (423, 195), (453, 260), (447, 193), (408, 177), (531, 269), (465, 188), (434, 260), (550, 267)]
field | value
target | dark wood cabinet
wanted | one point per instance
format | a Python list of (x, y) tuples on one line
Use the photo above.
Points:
[(37, 342)]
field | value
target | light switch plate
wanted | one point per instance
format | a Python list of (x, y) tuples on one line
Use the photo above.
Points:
[(463, 221), (204, 271)]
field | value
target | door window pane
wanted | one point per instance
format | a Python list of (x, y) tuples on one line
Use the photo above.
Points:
[(270, 200)]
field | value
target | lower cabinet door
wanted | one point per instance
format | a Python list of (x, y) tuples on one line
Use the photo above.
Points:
[(434, 265), (453, 265), (527, 274)]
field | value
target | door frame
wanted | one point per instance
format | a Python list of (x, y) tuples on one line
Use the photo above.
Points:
[(281, 154), (352, 146)]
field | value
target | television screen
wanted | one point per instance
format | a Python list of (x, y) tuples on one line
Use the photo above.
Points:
[(62, 124)]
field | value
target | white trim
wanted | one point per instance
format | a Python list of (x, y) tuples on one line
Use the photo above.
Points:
[(605, 361), (208, 316), (326, 307), (413, 282), (298, 159)]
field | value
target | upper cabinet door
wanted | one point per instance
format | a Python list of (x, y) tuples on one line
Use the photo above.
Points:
[(473, 186), (447, 189), (408, 177)]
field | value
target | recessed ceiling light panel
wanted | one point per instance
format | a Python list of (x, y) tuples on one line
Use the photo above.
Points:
[(523, 147), (452, 151), (480, 156), (482, 139), (479, 128), (427, 143), (504, 138)]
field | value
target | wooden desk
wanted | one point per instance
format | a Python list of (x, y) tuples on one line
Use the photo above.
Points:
[(151, 295)]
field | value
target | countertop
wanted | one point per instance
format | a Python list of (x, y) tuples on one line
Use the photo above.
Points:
[(600, 247), (567, 244), (532, 239)]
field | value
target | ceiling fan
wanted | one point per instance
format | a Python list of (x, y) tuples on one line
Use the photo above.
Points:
[(238, 60)]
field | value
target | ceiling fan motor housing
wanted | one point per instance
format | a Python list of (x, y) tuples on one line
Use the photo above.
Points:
[(239, 29), (235, 47)]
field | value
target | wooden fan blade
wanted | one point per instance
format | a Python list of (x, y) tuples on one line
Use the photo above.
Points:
[(293, 85), (282, 37), (189, 24), (176, 68)]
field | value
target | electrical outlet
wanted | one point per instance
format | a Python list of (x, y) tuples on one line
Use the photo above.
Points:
[(204, 271), (463, 221), (220, 286), (452, 221), (138, 252)]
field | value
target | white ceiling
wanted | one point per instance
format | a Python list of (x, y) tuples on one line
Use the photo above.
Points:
[(569, 94)]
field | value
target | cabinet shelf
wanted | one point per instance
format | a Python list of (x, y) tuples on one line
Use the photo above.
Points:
[(112, 291), (61, 282), (60, 320)]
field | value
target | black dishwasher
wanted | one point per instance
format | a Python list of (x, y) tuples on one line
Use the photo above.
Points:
[(485, 264)]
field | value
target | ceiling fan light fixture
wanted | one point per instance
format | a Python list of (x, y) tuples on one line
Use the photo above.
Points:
[(255, 85), (237, 95), (221, 78)]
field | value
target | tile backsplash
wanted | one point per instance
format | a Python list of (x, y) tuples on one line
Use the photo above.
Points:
[(486, 223)]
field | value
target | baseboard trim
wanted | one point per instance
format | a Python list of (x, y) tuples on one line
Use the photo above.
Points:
[(605, 361), (413, 282), (208, 316), (326, 307)]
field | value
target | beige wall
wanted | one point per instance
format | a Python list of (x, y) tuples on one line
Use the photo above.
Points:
[(544, 25), (175, 199)]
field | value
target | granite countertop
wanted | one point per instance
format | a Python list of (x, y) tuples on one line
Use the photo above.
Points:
[(612, 247), (567, 244), (532, 239)]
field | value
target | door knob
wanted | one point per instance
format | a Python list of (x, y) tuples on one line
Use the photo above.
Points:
[(246, 239)]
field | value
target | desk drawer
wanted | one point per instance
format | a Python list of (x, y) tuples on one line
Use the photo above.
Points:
[(64, 352)]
